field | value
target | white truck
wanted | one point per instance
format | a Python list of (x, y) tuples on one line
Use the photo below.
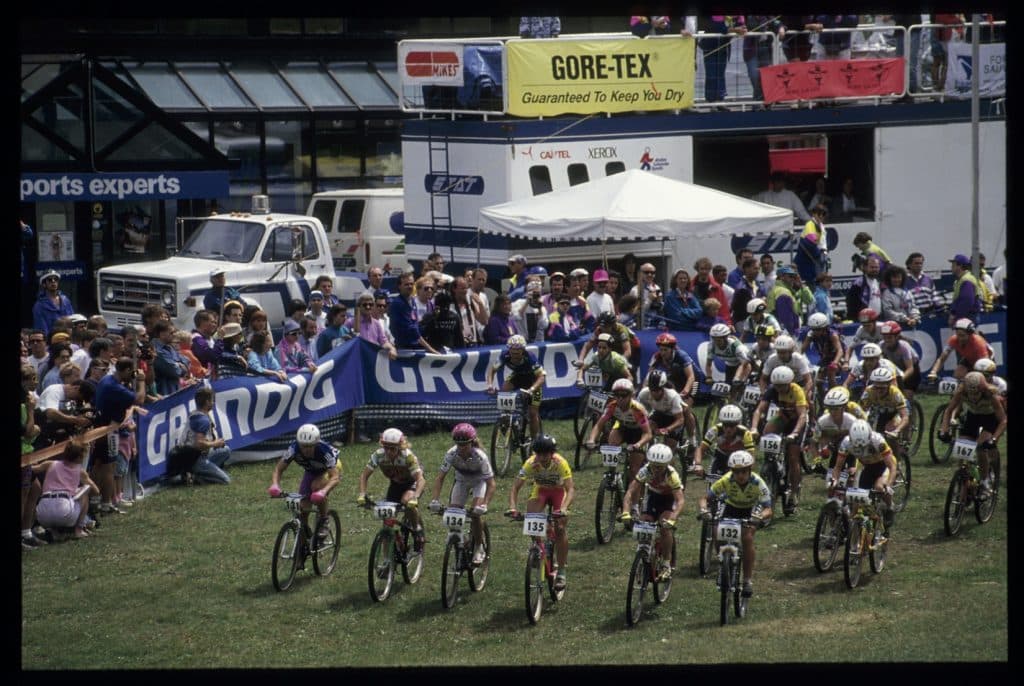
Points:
[(363, 227), (271, 258)]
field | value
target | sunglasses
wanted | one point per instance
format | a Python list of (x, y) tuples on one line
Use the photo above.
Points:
[(428, 288), (665, 346), (623, 394), (647, 272), (366, 306), (292, 333)]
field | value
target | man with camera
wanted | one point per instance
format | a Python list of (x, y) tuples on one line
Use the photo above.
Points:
[(61, 411), (530, 315), (116, 394)]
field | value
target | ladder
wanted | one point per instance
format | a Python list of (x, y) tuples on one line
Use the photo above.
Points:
[(440, 193)]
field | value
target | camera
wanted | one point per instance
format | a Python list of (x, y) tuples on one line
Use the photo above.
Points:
[(146, 351)]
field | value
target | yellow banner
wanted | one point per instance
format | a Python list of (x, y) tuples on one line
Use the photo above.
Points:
[(559, 76)]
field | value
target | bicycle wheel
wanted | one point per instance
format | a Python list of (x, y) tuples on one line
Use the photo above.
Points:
[(707, 553), (580, 416), (724, 586), (984, 509), (608, 506), (828, 536), (450, 573), (327, 546), (534, 586), (901, 487), (380, 572), (739, 603), (770, 475), (938, 450), (852, 557), (953, 514), (710, 416), (916, 427), (663, 588), (478, 573), (878, 551), (549, 573), (582, 454), (501, 446), (412, 563), (286, 556), (639, 576)]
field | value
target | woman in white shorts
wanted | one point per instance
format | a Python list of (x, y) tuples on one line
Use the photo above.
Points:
[(474, 481), (66, 489)]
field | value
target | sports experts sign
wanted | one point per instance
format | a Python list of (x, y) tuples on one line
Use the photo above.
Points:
[(124, 186), (431, 64)]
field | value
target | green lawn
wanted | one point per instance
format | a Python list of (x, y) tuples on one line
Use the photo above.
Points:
[(183, 580)]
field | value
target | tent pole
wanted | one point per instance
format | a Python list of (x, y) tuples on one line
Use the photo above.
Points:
[(478, 247)]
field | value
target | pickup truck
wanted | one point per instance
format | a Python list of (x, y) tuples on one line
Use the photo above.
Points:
[(271, 258)]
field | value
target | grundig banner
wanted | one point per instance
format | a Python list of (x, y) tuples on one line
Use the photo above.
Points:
[(552, 77)]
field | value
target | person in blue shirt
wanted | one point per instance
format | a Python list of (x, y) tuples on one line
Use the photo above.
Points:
[(403, 319), (201, 434), (115, 394), (336, 332), (261, 358), (170, 366), (219, 292), (51, 304), (822, 302)]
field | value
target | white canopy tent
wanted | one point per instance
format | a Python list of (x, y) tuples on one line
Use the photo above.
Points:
[(635, 205)]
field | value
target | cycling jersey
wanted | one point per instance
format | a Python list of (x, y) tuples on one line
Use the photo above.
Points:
[(555, 474), (715, 439), (743, 497), (733, 353), (325, 456), (634, 416), (759, 355), (662, 484), (859, 374), (891, 401), (862, 336), (671, 403), (969, 352), (900, 353), (750, 326), (400, 469), (613, 365), (620, 336), (676, 367), (826, 430), (787, 400), (798, 363), (476, 467), (1000, 384), (872, 453), (522, 374), (825, 346), (983, 402)]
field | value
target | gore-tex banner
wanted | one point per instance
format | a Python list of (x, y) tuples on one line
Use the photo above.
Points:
[(124, 186), (832, 79), (563, 76), (430, 63)]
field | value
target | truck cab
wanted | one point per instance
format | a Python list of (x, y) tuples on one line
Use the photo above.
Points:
[(364, 227), (271, 258)]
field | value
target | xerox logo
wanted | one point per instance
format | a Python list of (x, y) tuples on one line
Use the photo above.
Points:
[(431, 64)]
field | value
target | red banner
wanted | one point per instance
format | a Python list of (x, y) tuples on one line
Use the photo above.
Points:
[(832, 79)]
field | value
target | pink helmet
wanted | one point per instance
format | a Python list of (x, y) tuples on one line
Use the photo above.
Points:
[(464, 433)]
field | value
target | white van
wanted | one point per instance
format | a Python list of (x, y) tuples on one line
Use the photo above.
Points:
[(360, 226)]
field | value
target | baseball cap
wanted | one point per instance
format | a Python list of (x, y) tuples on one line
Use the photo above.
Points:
[(579, 271), (962, 260), (291, 325), (230, 329), (47, 275), (521, 259), (217, 270), (560, 275), (600, 275), (783, 270), (316, 295), (60, 337), (78, 318)]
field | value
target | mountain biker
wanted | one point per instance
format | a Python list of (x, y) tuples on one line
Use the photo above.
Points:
[(665, 408), (613, 366), (661, 484), (968, 346), (722, 440), (319, 461), (525, 373), (985, 418), (786, 355), (789, 421), (870, 449), (826, 342), (474, 481), (834, 424), (631, 427), (733, 354), (400, 465)]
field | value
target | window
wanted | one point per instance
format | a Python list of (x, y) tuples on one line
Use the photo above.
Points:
[(324, 211), (289, 241), (578, 174), (540, 179), (614, 168), (351, 215), (338, 149)]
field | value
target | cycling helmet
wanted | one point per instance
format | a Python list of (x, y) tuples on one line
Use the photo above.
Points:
[(818, 320), (391, 438), (782, 375), (973, 381), (860, 433), (784, 343), (870, 350), (605, 338), (838, 396), (882, 375), (622, 385), (985, 366), (891, 327), (606, 319), (965, 324), (665, 339), (544, 443), (659, 453), (656, 379), (719, 330), (765, 331), (307, 434), (867, 315), (515, 341), (730, 414), (741, 459), (756, 305), (464, 433)]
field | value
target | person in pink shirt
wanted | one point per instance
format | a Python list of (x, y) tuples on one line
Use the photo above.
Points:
[(66, 489), (366, 326)]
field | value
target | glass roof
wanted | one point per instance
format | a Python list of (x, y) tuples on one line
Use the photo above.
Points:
[(163, 86), (265, 85), (316, 86), (368, 89)]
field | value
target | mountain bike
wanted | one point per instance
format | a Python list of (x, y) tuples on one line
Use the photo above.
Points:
[(939, 452), (964, 487), (705, 555), (610, 491), (395, 544), (729, 540), (593, 380), (292, 546), (540, 562), (646, 568), (596, 401), (509, 434), (749, 398), (832, 526), (866, 534), (721, 393), (774, 471), (900, 451), (458, 555)]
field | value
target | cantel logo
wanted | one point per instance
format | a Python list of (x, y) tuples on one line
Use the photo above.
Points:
[(615, 66), (424, 64)]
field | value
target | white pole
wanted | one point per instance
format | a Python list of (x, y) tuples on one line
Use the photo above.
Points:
[(975, 107)]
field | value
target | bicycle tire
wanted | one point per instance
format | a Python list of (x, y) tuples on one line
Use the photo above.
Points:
[(663, 588), (579, 417), (725, 584), (916, 427), (771, 480), (450, 573), (606, 509), (878, 552), (739, 602), (710, 416), (953, 512), (582, 454), (984, 509), (639, 576), (853, 555), (828, 536), (534, 581), (901, 486), (706, 552), (380, 571), (285, 562), (478, 574), (940, 452), (501, 446), (325, 553), (412, 561), (549, 573)]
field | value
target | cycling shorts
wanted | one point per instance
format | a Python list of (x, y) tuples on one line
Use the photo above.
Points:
[(463, 492), (973, 422), (733, 512), (884, 417), (311, 477), (629, 434), (396, 489), (870, 474), (781, 424), (535, 396), (548, 495), (662, 420), (658, 503)]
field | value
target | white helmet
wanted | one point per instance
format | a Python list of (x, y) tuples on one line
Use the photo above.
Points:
[(783, 343), (973, 381), (870, 350), (860, 433), (818, 320), (881, 375), (741, 459), (782, 375), (730, 414), (965, 324), (605, 338), (307, 434), (756, 305), (622, 385), (659, 453), (392, 437), (515, 341), (719, 330), (985, 366), (837, 397)]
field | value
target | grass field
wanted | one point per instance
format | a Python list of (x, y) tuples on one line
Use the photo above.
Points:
[(183, 581)]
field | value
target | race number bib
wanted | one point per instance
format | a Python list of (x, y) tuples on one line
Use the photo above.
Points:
[(385, 510), (963, 449), (720, 389), (597, 401), (454, 518), (593, 377), (947, 385), (729, 531), (771, 444), (535, 524), (644, 531), (610, 455), (752, 394), (858, 495), (507, 401), (773, 412)]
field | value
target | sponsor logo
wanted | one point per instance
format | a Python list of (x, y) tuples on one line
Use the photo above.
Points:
[(601, 67), (601, 153), (451, 183), (434, 63), (650, 163)]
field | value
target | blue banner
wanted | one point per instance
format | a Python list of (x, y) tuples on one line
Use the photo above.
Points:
[(69, 271), (124, 186)]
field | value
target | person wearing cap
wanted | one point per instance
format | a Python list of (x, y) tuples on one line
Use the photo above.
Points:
[(967, 292), (232, 359), (290, 354), (530, 315), (556, 287), (219, 292), (811, 256), (316, 309), (51, 304), (599, 301), (562, 326), (578, 307), (516, 265), (780, 196)]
